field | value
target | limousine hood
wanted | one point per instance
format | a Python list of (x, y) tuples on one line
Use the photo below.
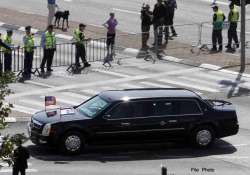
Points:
[(58, 115)]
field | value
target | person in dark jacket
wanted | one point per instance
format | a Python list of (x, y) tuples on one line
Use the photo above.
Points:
[(158, 21), (171, 5), (146, 21), (21, 154), (2, 45)]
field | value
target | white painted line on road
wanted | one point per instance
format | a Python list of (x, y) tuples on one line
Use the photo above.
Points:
[(234, 73), (126, 11), (62, 36), (131, 51), (155, 84), (75, 95), (9, 170), (32, 30), (68, 0), (190, 85), (24, 109), (201, 81), (101, 82), (130, 86), (209, 66), (38, 84), (1, 23), (10, 119), (170, 58), (90, 91), (217, 2), (39, 103), (112, 73)]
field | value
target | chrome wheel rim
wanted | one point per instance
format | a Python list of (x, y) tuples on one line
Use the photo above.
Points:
[(73, 143), (203, 137)]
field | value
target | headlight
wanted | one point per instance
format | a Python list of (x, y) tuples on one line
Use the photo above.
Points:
[(46, 129)]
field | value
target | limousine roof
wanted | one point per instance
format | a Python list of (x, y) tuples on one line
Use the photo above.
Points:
[(145, 93)]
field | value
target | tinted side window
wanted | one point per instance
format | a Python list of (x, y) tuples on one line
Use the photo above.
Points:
[(189, 107), (165, 108), (123, 110), (143, 108)]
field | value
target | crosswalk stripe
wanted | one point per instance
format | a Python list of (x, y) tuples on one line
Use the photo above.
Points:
[(204, 82), (132, 86), (9, 170), (90, 91), (112, 73), (39, 84), (75, 95), (24, 109), (33, 102), (155, 84), (190, 85)]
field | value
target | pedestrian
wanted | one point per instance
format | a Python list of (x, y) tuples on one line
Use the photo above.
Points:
[(233, 18), (52, 8), (218, 19), (158, 21), (29, 45), (80, 40), (2, 46), (48, 42), (146, 21), (167, 21), (171, 6), (20, 156), (7, 52), (111, 24)]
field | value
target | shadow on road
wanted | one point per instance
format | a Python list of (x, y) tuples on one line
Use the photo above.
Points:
[(177, 150)]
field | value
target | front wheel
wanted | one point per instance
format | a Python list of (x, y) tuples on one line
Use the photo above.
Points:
[(203, 136), (72, 143)]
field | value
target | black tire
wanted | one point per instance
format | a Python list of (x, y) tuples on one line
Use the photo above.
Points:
[(203, 136), (72, 143)]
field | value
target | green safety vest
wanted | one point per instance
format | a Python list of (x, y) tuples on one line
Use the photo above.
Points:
[(79, 36), (8, 41), (50, 40), (218, 24), (29, 44), (233, 15)]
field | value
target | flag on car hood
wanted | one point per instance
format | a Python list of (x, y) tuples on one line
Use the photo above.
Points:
[(50, 100)]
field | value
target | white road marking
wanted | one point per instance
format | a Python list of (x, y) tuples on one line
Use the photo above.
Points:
[(100, 83), (131, 51), (75, 95), (170, 58), (1, 23), (90, 91), (155, 84), (68, 0), (39, 103), (210, 66), (217, 2), (24, 109), (10, 119), (190, 85), (39, 84), (126, 11), (9, 170), (202, 81), (62, 36), (130, 86), (112, 73)]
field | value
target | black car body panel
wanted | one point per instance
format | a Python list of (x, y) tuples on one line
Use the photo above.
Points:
[(138, 115)]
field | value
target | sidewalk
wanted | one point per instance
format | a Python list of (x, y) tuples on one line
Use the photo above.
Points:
[(175, 49)]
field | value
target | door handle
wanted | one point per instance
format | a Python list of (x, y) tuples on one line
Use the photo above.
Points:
[(125, 124), (172, 121)]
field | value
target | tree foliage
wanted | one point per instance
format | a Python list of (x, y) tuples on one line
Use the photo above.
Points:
[(7, 142)]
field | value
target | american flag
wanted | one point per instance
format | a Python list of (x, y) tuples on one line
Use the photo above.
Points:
[(50, 100)]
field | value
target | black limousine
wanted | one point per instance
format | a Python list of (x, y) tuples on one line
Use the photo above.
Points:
[(135, 116)]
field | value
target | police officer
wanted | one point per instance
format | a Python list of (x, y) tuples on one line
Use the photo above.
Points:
[(233, 18), (146, 21), (48, 42), (2, 45), (218, 19), (7, 53), (79, 38), (29, 44)]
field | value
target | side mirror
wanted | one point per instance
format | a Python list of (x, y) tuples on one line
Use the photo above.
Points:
[(106, 116)]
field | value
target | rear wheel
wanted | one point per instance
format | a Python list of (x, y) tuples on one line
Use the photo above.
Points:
[(203, 136), (72, 142)]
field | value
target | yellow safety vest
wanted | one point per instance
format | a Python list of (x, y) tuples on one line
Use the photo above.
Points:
[(8, 41), (233, 15), (218, 24), (50, 40), (79, 36), (29, 43)]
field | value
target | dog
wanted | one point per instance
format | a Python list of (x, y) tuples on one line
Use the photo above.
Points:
[(64, 15)]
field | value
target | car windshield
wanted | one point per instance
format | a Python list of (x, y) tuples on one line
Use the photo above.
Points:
[(92, 107)]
